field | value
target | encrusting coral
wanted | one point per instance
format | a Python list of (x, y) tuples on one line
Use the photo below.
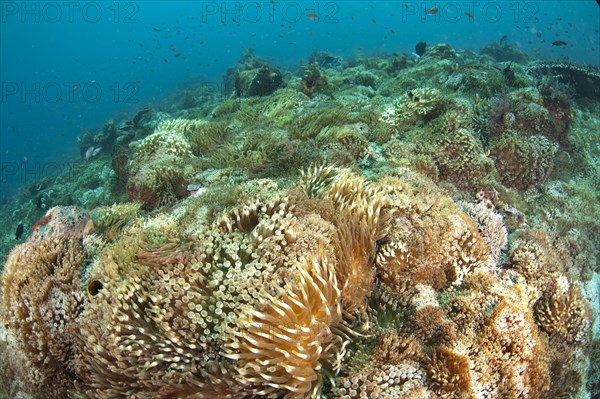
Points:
[(461, 159), (253, 305), (440, 244), (523, 162), (43, 299), (271, 297), (419, 103), (159, 170), (449, 373), (562, 315)]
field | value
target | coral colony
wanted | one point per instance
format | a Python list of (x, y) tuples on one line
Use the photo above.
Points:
[(391, 227)]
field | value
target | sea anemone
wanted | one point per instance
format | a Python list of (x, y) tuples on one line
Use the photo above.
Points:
[(290, 334)]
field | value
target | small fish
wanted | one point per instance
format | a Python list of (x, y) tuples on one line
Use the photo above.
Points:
[(560, 43), (195, 190), (374, 21), (470, 16), (312, 33), (96, 151), (431, 11), (392, 31), (89, 153), (312, 16), (166, 61), (155, 29), (20, 230)]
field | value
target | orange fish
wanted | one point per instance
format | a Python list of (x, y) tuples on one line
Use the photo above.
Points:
[(471, 16), (312, 33), (431, 11), (312, 16)]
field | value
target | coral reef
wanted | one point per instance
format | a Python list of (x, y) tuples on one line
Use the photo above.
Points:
[(314, 82), (422, 103), (157, 173), (504, 51), (42, 296), (523, 162), (248, 275), (532, 113), (460, 159), (252, 76), (585, 79), (317, 233), (562, 316)]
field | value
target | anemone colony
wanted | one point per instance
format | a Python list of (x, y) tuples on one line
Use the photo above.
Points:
[(378, 228)]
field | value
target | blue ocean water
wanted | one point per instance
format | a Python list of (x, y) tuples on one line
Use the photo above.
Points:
[(68, 67)]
